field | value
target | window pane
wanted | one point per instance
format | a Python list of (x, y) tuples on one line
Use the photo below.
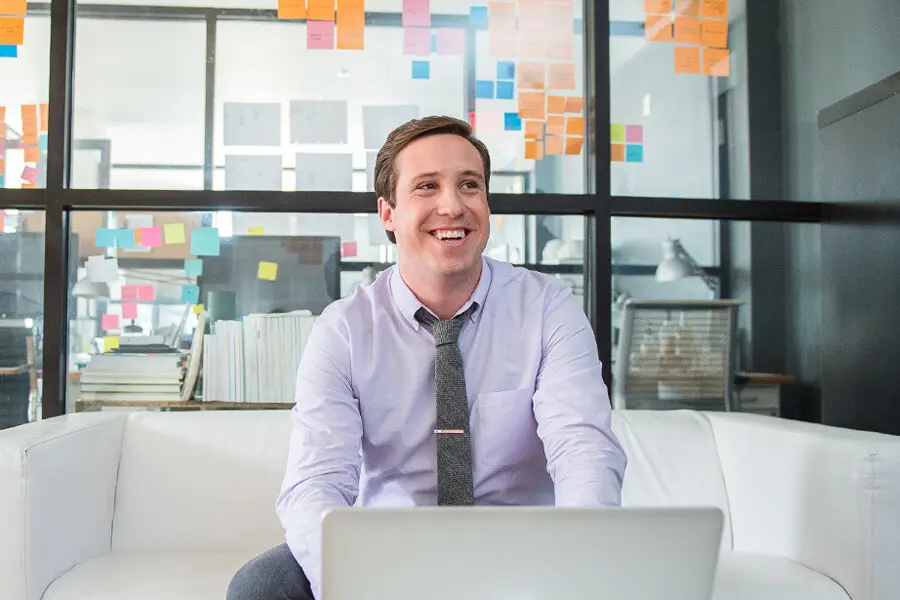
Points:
[(21, 315), (142, 273), (24, 94), (670, 356)]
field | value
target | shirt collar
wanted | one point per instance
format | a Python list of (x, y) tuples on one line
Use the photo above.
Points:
[(408, 304)]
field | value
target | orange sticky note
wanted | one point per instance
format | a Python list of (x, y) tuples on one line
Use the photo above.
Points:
[(2, 215), (351, 24), (320, 10), (561, 47), (2, 114), (30, 138), (716, 62), (29, 119), (13, 7), (687, 8), (659, 7), (501, 18), (556, 124), (534, 18), (291, 9), (534, 150), (574, 145), (617, 152), (687, 59), (532, 46), (532, 75), (32, 154), (574, 104), (503, 46), (553, 145), (562, 76), (575, 126), (45, 117), (714, 34), (687, 30), (531, 105), (12, 31), (534, 129), (715, 9), (658, 29), (556, 105)]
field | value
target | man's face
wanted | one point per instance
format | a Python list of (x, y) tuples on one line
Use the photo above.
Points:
[(441, 218)]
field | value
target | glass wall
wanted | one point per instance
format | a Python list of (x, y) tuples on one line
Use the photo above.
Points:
[(21, 315)]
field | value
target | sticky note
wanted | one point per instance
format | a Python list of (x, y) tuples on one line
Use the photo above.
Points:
[(634, 134), (146, 293), (716, 62), (534, 150), (320, 10), (416, 13), (109, 322), (13, 7), (532, 47), (320, 35), (534, 129), (505, 90), (534, 18), (450, 41), (553, 145), (43, 141), (151, 237), (421, 69), (174, 233), (574, 145), (575, 126), (29, 174), (532, 75), (658, 6), (556, 125), (45, 116), (129, 292), (687, 8), (715, 9), (130, 311), (484, 89), (416, 42), (291, 9), (562, 76), (574, 104), (687, 59), (205, 241), (257, 230), (2, 180), (506, 70), (198, 308), (348, 249), (7, 51), (2, 214), (351, 25), (478, 17), (512, 122), (32, 154), (687, 30), (12, 31), (267, 271), (193, 267), (531, 105), (714, 34), (105, 238), (556, 105), (190, 294), (634, 153), (658, 28), (125, 239), (110, 342)]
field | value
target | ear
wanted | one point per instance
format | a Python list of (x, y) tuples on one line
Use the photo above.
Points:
[(386, 214)]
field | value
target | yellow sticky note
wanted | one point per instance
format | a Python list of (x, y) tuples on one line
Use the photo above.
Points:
[(198, 308), (110, 342), (268, 271), (12, 31), (257, 230), (291, 9), (174, 233), (13, 7)]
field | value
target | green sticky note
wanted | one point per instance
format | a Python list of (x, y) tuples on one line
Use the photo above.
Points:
[(193, 267), (205, 241), (617, 133)]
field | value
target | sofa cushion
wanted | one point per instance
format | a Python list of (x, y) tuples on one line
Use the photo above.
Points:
[(755, 577), (672, 461)]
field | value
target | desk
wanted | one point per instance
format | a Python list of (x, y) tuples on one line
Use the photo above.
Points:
[(760, 392), (84, 405)]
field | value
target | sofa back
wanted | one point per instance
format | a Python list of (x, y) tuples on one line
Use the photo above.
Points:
[(209, 480)]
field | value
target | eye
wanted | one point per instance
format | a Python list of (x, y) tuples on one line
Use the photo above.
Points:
[(472, 185), (427, 186)]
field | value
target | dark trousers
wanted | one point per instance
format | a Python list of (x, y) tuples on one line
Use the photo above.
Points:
[(273, 575)]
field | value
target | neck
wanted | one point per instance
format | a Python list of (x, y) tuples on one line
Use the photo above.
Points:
[(443, 296)]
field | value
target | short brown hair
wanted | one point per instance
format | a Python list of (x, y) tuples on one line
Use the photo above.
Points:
[(403, 136)]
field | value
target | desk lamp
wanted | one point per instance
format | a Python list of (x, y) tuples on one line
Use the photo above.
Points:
[(678, 264)]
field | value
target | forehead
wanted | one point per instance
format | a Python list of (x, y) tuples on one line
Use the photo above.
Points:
[(442, 153)]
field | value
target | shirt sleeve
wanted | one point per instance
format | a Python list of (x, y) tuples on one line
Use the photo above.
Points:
[(572, 407), (324, 456)]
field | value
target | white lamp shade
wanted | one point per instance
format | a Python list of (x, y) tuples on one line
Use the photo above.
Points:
[(673, 267), (85, 288)]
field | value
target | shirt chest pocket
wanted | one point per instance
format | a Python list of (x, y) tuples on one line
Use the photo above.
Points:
[(504, 432)]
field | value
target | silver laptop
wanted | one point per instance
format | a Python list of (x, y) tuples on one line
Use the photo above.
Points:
[(520, 553)]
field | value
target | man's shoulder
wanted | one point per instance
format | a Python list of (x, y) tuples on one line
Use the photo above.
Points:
[(362, 305), (518, 282)]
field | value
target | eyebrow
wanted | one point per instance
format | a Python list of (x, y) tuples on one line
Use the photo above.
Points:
[(466, 173)]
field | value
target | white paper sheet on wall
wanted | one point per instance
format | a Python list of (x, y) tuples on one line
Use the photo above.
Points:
[(138, 222), (249, 172), (324, 172), (370, 170), (252, 124), (102, 269), (319, 122), (379, 121)]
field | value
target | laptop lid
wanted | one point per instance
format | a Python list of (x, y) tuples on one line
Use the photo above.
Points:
[(520, 553)]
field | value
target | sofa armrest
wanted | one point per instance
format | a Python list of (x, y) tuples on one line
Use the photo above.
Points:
[(825, 497), (57, 488)]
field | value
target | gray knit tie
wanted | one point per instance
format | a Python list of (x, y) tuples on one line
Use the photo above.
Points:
[(454, 454)]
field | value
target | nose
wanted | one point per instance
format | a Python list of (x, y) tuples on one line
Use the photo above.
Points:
[(450, 203)]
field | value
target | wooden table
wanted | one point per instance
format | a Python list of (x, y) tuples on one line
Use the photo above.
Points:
[(84, 405)]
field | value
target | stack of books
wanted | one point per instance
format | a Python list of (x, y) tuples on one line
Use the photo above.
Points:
[(141, 369)]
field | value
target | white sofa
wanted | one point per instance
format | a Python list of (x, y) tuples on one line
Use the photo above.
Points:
[(127, 506)]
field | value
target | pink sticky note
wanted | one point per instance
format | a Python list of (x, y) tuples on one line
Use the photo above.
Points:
[(146, 293), (417, 41), (129, 311), (634, 134), (109, 322), (416, 13), (151, 237), (129, 292), (348, 249), (488, 122), (320, 35), (451, 41), (29, 174)]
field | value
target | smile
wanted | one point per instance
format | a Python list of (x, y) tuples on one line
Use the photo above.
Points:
[(450, 234)]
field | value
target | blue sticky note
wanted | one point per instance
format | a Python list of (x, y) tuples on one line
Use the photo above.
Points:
[(421, 69), (125, 238), (190, 294), (205, 241), (433, 42), (506, 70), (484, 89), (626, 28), (634, 153), (105, 238), (42, 141), (478, 17), (2, 181), (9, 51), (579, 27), (193, 267), (505, 90), (512, 122)]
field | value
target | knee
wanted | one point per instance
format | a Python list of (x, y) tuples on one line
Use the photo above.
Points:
[(273, 575), (246, 584)]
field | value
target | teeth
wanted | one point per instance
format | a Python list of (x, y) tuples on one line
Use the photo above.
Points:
[(454, 234)]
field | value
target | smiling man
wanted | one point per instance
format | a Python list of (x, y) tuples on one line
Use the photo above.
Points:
[(452, 379)]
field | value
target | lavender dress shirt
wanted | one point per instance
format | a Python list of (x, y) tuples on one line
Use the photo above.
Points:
[(365, 405)]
